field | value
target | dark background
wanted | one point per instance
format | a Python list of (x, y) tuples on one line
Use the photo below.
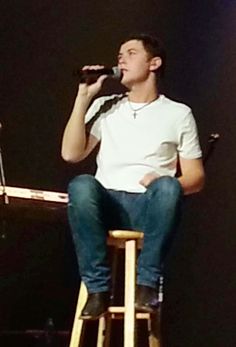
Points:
[(42, 42)]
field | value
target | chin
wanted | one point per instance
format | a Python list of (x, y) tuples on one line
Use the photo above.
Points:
[(127, 83)]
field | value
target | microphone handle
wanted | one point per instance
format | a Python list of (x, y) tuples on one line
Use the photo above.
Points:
[(91, 76), (99, 72)]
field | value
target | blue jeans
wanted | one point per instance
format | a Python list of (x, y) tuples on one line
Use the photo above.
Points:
[(93, 210)]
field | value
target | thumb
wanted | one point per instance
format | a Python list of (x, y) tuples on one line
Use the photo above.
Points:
[(101, 79)]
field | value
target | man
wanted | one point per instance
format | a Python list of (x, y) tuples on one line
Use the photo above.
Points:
[(142, 136)]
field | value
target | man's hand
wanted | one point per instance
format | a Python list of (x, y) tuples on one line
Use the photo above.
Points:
[(76, 145), (149, 178), (90, 90)]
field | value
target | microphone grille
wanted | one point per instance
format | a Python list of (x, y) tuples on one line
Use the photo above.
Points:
[(116, 72)]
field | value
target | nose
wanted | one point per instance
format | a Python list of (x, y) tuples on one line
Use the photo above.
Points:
[(121, 60)]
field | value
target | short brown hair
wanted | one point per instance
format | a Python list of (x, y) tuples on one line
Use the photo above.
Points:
[(153, 47)]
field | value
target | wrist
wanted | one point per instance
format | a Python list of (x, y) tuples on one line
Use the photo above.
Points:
[(83, 99)]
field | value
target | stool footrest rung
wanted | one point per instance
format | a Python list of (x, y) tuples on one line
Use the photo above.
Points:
[(117, 312)]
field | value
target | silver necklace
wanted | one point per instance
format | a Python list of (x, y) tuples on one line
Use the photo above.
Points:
[(135, 110)]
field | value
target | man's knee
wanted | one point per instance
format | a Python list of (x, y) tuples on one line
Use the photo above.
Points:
[(81, 188), (167, 186)]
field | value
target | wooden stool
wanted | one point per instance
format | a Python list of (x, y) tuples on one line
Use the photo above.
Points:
[(130, 241)]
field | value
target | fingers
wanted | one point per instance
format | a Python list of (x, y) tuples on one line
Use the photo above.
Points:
[(101, 79), (88, 89), (149, 178), (93, 67), (93, 79)]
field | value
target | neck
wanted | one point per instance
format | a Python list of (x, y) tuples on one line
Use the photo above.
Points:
[(141, 94)]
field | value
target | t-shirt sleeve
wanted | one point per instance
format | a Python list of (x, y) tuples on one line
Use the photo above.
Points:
[(188, 144)]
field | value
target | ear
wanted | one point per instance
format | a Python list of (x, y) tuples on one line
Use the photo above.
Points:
[(155, 63)]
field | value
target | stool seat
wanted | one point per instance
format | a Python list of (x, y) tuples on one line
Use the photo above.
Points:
[(126, 234), (118, 238)]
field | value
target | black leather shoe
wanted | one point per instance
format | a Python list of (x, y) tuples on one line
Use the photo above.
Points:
[(96, 305), (146, 299)]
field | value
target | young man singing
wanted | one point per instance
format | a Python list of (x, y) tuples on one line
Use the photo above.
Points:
[(143, 135)]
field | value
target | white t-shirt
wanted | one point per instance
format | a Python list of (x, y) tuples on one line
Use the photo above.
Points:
[(134, 146)]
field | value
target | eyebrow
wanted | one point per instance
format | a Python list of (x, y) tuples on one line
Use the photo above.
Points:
[(128, 50)]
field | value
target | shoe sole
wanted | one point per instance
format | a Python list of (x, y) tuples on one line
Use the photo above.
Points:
[(146, 309), (103, 314)]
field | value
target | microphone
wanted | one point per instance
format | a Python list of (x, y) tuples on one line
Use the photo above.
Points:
[(90, 76)]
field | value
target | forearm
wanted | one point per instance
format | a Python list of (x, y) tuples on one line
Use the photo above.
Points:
[(192, 184), (74, 142), (74, 137)]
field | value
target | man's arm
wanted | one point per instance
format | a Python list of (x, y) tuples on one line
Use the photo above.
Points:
[(192, 175), (76, 145)]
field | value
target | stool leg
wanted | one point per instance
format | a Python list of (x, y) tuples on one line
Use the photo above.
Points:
[(130, 278), (101, 332), (104, 325), (154, 330), (78, 325), (104, 332), (108, 331)]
